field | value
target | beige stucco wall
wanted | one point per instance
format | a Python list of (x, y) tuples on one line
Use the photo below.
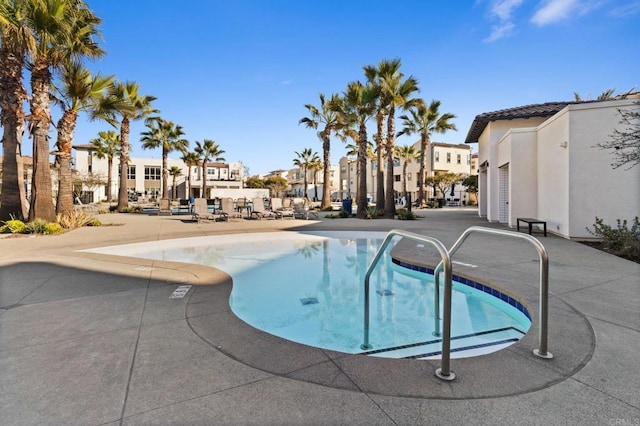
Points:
[(518, 149)]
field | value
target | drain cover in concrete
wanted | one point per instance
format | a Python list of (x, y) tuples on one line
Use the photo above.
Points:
[(180, 292)]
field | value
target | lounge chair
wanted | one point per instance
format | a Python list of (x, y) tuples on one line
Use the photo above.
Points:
[(260, 211), (277, 207), (184, 205), (164, 207), (302, 209), (201, 210), (227, 210)]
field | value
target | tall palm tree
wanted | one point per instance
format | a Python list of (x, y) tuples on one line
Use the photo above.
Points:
[(398, 91), (123, 101), (425, 121), (168, 136), (327, 117), (16, 40), (315, 166), (374, 77), (303, 161), (174, 171), (78, 91), (190, 159), (356, 108), (206, 151), (63, 30), (107, 145), (406, 153)]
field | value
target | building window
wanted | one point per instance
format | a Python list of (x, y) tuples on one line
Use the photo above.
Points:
[(131, 172), (437, 156), (468, 159), (152, 173), (448, 157), (459, 159), (396, 162), (408, 177), (397, 178)]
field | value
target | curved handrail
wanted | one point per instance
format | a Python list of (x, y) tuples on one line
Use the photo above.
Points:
[(542, 351), (444, 371)]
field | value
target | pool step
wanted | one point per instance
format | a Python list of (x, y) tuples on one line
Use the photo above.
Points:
[(461, 346)]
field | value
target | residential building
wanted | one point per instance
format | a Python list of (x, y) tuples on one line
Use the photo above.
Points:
[(144, 176), (315, 185), (541, 161)]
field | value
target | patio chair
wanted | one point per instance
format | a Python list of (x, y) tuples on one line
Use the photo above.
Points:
[(260, 211), (184, 205), (201, 210), (227, 210), (302, 209), (164, 207), (277, 207)]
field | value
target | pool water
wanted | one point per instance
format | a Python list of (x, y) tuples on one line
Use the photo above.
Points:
[(308, 288)]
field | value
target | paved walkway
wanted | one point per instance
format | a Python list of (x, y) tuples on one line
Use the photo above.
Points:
[(95, 339)]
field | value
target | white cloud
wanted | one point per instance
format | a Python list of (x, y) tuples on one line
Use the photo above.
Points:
[(286, 82), (630, 9), (500, 31), (503, 10), (552, 11)]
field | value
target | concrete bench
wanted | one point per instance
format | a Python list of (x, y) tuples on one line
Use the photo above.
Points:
[(530, 221)]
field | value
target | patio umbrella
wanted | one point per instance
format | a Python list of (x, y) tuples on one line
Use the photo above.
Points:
[(434, 191), (453, 187)]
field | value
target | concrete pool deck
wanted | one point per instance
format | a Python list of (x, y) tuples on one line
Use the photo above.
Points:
[(95, 339)]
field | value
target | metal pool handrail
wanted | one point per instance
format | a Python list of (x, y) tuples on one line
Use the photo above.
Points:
[(444, 371), (542, 351)]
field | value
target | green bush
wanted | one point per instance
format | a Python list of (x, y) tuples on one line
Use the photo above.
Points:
[(344, 214), (74, 219), (94, 222), (37, 226), (404, 214), (373, 212), (13, 226), (53, 228), (621, 240)]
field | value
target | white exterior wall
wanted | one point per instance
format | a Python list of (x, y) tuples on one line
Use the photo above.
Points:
[(488, 151), (595, 188), (518, 149)]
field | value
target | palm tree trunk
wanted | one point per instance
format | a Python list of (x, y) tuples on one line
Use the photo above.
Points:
[(389, 203), (66, 126), (188, 181), (423, 154), (404, 178), (304, 180), (165, 174), (379, 157), (41, 184), (12, 94), (326, 189), (123, 196), (362, 172), (315, 184), (109, 178), (204, 178)]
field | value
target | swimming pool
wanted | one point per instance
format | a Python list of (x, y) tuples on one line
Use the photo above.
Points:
[(308, 288)]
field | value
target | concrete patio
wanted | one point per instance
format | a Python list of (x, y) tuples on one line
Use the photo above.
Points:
[(95, 339)]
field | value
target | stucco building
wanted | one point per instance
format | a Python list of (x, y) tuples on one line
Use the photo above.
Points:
[(541, 161)]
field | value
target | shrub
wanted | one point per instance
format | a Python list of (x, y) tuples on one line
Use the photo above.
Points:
[(344, 214), (37, 226), (13, 226), (94, 222), (373, 212), (75, 219), (53, 228), (621, 240), (404, 214)]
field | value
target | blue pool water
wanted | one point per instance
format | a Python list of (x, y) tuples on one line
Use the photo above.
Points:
[(308, 288)]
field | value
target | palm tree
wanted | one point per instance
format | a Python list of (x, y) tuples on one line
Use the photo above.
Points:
[(63, 31), (373, 75), (327, 117), (304, 160), (190, 159), (315, 166), (15, 42), (107, 145), (77, 93), (397, 92), (123, 100), (426, 120), (406, 153), (174, 171), (168, 136), (207, 150), (356, 108)]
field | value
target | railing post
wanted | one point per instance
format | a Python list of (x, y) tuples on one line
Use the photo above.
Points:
[(444, 372)]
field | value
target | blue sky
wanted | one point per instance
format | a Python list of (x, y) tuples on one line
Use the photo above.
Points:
[(239, 72)]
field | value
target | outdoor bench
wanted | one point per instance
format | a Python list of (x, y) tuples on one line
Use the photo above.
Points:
[(531, 222)]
